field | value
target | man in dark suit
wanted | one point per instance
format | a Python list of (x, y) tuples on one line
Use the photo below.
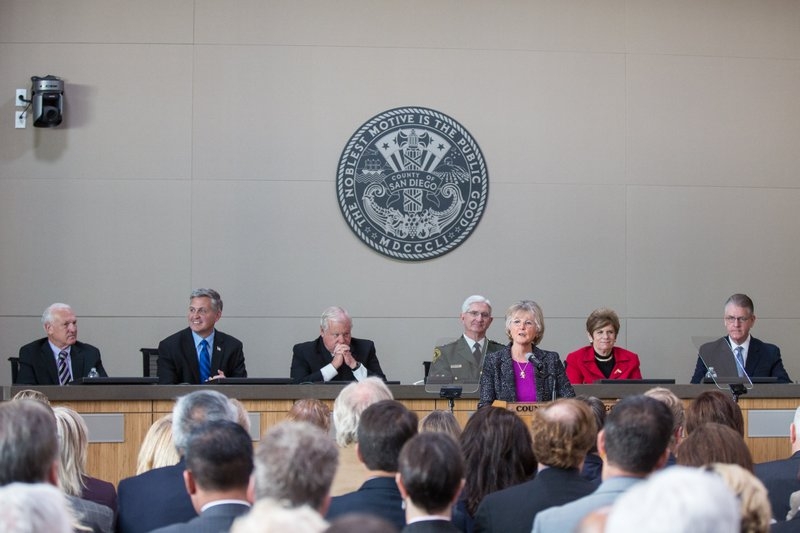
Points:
[(462, 359), (58, 358), (782, 477), (430, 477), (382, 431), (219, 461), (759, 359), (200, 353), (335, 355), (158, 497), (563, 433)]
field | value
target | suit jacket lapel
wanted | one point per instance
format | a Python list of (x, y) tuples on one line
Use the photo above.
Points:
[(190, 352), (50, 362), (217, 351), (78, 362), (753, 354), (507, 374)]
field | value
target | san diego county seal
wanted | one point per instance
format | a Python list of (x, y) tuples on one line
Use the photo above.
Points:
[(412, 183)]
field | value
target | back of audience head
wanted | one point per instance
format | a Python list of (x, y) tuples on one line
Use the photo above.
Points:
[(714, 443), (313, 411), (157, 449), (195, 408), (295, 462), (675, 405), (73, 439), (242, 416), (271, 516), (34, 508), (563, 432), (431, 472), (351, 402), (219, 456), (440, 421), (497, 453), (28, 443), (676, 500), (384, 428), (756, 512), (636, 435), (714, 406), (362, 523), (30, 394)]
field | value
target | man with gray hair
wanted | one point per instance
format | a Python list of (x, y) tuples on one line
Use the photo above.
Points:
[(200, 353), (158, 497), (335, 355), (295, 462), (58, 358), (781, 476), (462, 359)]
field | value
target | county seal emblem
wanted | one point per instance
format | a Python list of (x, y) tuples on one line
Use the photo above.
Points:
[(412, 183)]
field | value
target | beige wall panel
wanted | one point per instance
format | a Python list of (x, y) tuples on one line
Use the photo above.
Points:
[(293, 109), (713, 121), (474, 24), (736, 28), (700, 245), (127, 112), (109, 247), (96, 21)]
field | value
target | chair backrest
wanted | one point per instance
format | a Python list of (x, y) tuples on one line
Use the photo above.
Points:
[(14, 369), (149, 362)]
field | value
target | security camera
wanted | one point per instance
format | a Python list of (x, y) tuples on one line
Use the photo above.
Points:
[(47, 96)]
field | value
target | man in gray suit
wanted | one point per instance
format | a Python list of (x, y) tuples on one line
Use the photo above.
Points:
[(462, 359), (634, 442), (219, 461)]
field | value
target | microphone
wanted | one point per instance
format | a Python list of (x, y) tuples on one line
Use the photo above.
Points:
[(538, 365)]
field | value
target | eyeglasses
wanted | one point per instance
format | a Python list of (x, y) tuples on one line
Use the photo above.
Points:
[(476, 314), (737, 319)]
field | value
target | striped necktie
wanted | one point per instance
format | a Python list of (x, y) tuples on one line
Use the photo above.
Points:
[(63, 368)]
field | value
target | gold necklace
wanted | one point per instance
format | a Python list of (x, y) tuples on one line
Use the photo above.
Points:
[(521, 369)]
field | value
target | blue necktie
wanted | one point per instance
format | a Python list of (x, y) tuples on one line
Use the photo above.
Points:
[(205, 361), (740, 367)]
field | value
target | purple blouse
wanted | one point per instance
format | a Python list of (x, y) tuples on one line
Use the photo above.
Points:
[(526, 387)]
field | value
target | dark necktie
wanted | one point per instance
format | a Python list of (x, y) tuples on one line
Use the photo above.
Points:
[(476, 353), (205, 361), (63, 368)]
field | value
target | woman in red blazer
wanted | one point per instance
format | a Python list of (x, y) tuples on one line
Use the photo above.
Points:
[(601, 359)]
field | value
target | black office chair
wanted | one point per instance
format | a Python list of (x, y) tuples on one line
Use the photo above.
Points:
[(14, 369), (149, 362)]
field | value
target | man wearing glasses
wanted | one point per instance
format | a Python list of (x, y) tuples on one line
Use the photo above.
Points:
[(200, 353), (462, 359), (757, 358)]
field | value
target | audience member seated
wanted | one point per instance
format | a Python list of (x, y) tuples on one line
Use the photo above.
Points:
[(60, 357), (313, 411), (676, 500), (295, 463), (200, 352), (34, 508), (362, 523), (462, 359), (756, 513), (158, 497), (30, 451), (714, 443), (73, 439), (271, 515), (335, 355), (678, 416), (522, 372), (782, 477), (601, 359), (440, 421), (562, 434), (382, 431), (347, 409), (498, 454), (157, 448), (635, 442), (219, 461), (430, 477), (30, 394), (714, 406), (593, 464)]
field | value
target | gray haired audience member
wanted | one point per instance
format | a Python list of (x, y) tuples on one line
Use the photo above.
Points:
[(675, 405), (430, 477), (382, 431), (34, 508), (270, 516), (347, 409), (295, 462), (676, 500), (158, 497)]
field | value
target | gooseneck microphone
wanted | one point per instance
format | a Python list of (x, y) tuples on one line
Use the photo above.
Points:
[(537, 364)]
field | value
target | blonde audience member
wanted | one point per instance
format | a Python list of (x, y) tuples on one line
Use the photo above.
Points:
[(442, 422), (30, 394), (242, 416), (157, 449), (313, 411), (675, 405), (752, 494)]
